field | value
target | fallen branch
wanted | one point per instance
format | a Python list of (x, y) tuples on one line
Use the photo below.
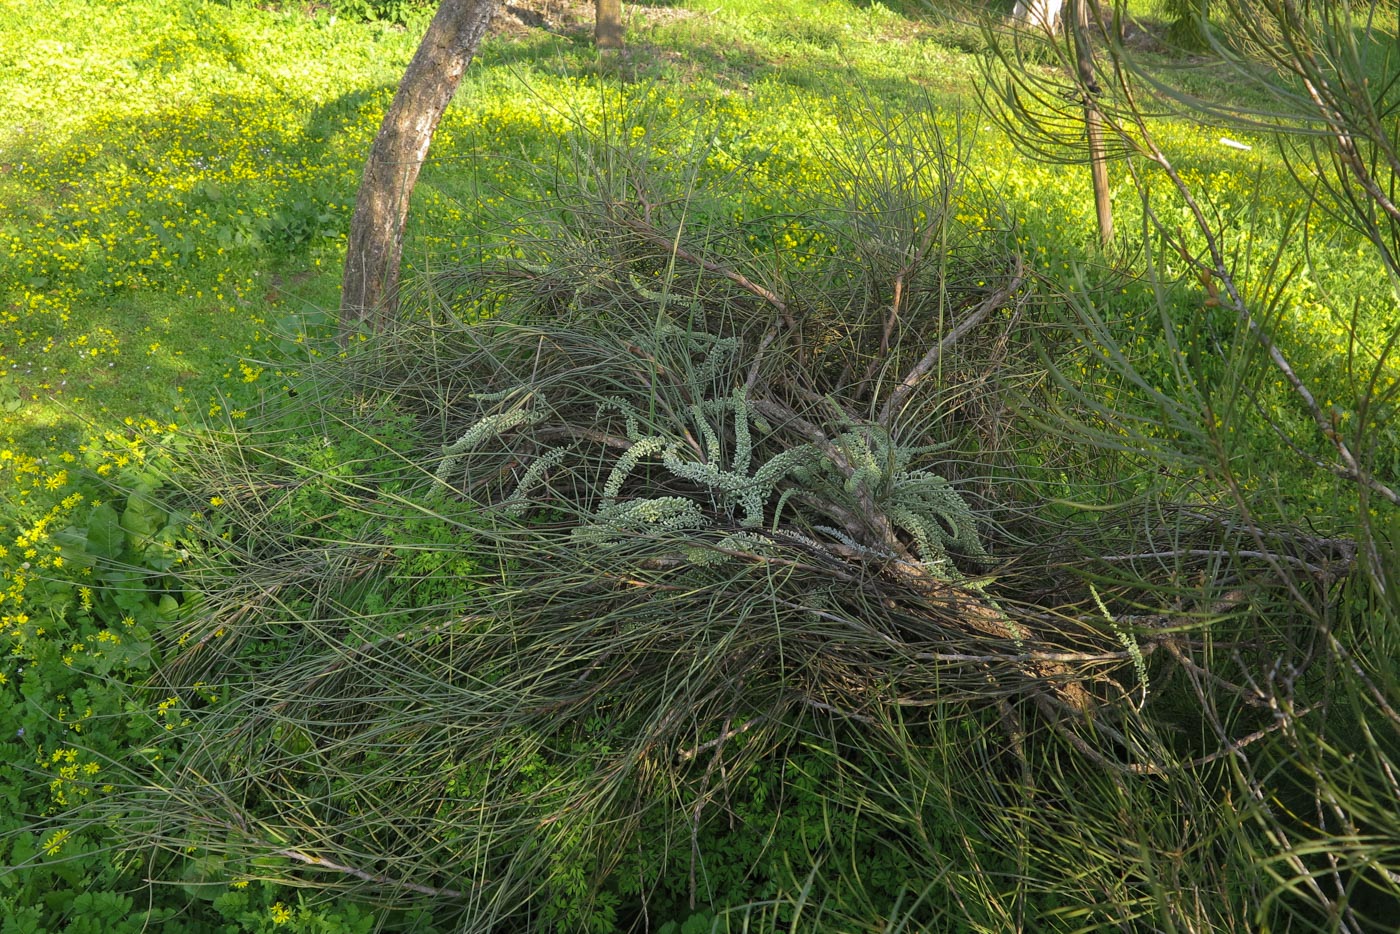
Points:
[(320, 862)]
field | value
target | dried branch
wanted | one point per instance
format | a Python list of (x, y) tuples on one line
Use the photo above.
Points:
[(685, 755), (897, 398), (900, 289), (321, 862), (672, 245)]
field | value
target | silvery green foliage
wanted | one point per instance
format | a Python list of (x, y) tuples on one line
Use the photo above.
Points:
[(492, 426), (718, 467), (741, 545), (534, 475), (720, 463), (918, 502), (652, 516), (1125, 638), (724, 429)]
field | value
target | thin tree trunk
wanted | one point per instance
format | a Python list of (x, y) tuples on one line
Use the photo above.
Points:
[(369, 290), (1080, 21), (607, 24)]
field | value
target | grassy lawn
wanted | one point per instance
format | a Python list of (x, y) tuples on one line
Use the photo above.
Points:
[(176, 179)]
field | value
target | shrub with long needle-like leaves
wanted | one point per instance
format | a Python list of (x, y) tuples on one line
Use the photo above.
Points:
[(1312, 803), (660, 589)]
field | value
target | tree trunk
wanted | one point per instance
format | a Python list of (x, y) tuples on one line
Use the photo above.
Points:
[(1044, 14), (369, 290), (1083, 18), (607, 24)]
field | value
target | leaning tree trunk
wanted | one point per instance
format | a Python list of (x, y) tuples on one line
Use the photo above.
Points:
[(369, 291), (1084, 17)]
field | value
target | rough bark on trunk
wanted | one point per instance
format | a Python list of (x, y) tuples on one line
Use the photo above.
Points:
[(369, 290), (1083, 17), (607, 24)]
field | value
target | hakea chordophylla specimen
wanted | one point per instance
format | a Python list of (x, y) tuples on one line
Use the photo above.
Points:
[(710, 468)]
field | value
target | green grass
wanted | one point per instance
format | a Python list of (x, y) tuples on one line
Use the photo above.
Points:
[(187, 213), (176, 177)]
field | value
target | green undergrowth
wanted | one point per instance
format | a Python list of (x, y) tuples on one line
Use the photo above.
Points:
[(177, 176), (92, 610)]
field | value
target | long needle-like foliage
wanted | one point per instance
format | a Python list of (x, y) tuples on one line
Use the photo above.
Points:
[(632, 577)]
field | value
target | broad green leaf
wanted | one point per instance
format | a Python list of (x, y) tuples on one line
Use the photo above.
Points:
[(142, 516), (104, 533), (168, 608)]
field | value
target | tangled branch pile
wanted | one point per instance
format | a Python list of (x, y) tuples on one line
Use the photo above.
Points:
[(604, 562)]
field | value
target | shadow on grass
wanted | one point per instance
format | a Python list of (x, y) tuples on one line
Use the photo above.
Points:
[(156, 249)]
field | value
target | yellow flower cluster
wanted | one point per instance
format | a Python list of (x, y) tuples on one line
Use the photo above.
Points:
[(38, 496), (30, 489), (74, 777), (137, 184)]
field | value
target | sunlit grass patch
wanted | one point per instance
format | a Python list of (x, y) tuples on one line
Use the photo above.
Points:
[(224, 142), (146, 231)]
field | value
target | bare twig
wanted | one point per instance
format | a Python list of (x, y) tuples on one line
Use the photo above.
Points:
[(1360, 672), (901, 279), (320, 862), (685, 755), (1251, 696), (1322, 570), (828, 708), (768, 337), (656, 237), (897, 398)]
